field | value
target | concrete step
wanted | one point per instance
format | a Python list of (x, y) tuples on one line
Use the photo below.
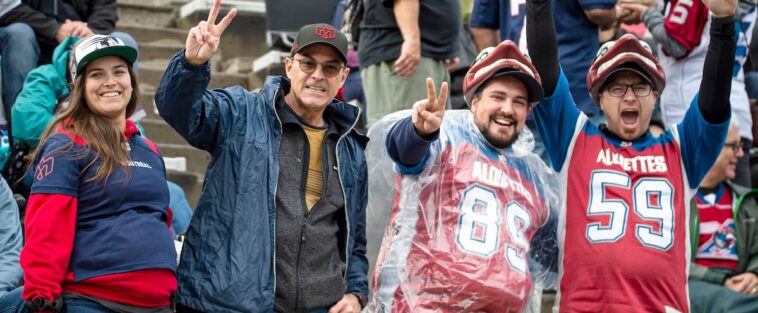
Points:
[(197, 160), (162, 49), (151, 74), (191, 183), (161, 132), (147, 99), (145, 34), (146, 14)]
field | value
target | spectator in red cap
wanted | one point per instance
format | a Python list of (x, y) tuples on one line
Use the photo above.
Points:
[(623, 225), (280, 224), (470, 203)]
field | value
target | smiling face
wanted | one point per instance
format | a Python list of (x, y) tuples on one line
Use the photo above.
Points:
[(726, 165), (500, 110), (310, 93), (108, 87), (628, 116)]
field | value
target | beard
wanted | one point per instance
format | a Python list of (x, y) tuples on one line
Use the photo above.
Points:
[(501, 142)]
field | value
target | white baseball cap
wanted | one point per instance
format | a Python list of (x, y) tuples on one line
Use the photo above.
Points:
[(97, 46)]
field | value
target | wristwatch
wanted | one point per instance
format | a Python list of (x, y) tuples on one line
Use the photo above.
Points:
[(39, 304)]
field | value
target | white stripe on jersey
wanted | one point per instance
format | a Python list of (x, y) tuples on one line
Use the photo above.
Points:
[(709, 228), (689, 193), (563, 181)]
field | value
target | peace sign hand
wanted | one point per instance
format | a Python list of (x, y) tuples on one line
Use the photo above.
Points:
[(427, 114), (202, 40)]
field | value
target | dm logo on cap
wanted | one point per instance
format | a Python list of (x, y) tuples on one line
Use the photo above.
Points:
[(325, 32)]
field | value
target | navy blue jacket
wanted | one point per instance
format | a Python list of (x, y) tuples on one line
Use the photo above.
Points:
[(227, 262)]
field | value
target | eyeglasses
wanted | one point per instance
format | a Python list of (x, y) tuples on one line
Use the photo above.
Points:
[(330, 69), (735, 146), (639, 90)]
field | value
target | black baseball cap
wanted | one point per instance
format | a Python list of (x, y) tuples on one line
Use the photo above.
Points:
[(323, 34)]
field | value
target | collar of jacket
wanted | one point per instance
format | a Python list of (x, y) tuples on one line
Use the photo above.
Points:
[(739, 190)]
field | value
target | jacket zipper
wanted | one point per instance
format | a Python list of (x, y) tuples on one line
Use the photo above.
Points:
[(304, 173), (297, 265)]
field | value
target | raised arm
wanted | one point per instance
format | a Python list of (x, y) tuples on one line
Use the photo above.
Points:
[(654, 21), (202, 40), (707, 121), (715, 87), (542, 42), (408, 142), (182, 98)]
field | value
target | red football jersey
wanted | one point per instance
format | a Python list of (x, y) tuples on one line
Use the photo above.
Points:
[(625, 222), (460, 242), (623, 227)]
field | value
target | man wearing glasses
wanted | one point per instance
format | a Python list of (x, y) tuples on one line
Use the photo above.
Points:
[(623, 225), (280, 224), (724, 268)]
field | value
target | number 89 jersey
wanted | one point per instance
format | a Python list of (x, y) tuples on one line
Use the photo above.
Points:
[(460, 232)]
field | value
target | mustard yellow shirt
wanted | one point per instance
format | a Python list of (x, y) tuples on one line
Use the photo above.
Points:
[(315, 181)]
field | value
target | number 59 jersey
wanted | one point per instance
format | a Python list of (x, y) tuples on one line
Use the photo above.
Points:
[(460, 231), (623, 225)]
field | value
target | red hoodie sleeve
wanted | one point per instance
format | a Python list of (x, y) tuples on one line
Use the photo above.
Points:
[(50, 224)]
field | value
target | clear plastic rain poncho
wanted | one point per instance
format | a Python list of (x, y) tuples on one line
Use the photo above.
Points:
[(473, 231)]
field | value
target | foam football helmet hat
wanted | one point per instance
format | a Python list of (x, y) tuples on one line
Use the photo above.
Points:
[(625, 54), (505, 59)]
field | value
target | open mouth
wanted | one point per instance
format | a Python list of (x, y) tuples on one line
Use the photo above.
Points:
[(316, 89), (110, 94), (504, 121), (629, 117)]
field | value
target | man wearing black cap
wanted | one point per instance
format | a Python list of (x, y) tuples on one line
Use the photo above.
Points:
[(623, 226), (280, 224), (468, 203)]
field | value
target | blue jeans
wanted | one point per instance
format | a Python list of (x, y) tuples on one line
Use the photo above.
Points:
[(13, 303), (19, 52), (11, 239)]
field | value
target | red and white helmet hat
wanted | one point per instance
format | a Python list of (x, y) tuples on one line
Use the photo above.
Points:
[(625, 54), (505, 59)]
